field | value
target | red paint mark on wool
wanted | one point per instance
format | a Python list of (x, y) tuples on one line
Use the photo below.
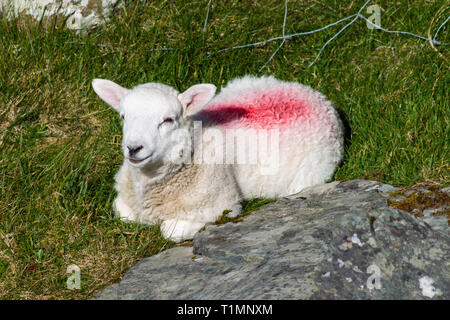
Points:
[(259, 110)]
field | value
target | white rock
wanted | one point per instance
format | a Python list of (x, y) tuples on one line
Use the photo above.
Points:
[(83, 13)]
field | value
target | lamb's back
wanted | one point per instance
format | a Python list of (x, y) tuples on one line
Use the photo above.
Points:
[(265, 103), (308, 127)]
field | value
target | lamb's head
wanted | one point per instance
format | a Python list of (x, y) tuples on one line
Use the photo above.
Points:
[(155, 118)]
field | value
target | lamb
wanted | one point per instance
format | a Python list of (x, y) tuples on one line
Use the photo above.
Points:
[(181, 164)]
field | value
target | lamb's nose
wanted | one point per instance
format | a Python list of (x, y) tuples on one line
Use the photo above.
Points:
[(133, 150)]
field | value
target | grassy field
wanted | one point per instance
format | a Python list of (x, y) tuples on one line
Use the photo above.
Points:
[(60, 145)]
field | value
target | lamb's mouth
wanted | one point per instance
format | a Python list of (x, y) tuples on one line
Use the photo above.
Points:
[(136, 161)]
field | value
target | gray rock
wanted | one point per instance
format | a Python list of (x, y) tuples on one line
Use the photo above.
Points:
[(397, 198), (416, 190), (337, 241), (430, 212), (437, 223)]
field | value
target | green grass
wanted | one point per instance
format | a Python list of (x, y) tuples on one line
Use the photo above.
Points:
[(60, 145)]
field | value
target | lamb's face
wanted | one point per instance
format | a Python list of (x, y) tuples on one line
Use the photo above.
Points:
[(154, 127), (150, 118)]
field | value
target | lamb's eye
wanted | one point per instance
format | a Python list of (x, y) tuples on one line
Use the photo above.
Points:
[(167, 120)]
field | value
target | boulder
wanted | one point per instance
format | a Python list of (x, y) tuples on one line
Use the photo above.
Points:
[(340, 240)]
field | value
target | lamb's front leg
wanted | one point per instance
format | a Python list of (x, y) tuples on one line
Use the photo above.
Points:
[(215, 191), (124, 211), (179, 230), (123, 205)]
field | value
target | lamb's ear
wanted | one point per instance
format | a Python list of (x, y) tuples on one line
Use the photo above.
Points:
[(109, 92), (196, 97)]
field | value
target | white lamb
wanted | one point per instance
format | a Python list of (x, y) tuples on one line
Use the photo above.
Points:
[(189, 156)]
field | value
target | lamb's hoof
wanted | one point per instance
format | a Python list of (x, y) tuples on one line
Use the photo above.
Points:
[(180, 230), (235, 211), (122, 211)]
